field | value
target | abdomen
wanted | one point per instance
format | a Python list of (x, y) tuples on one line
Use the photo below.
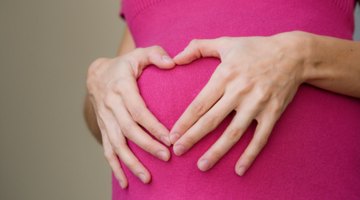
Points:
[(313, 152)]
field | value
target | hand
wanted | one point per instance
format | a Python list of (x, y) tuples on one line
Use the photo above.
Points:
[(257, 77), (120, 109)]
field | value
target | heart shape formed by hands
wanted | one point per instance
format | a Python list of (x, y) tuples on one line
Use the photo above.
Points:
[(256, 81), (252, 80)]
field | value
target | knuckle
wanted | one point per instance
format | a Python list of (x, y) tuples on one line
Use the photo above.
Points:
[(131, 164), (198, 108), (183, 126), (152, 149), (154, 130), (209, 121), (120, 86), (109, 155), (244, 88), (109, 100), (276, 107), (137, 114), (101, 116), (233, 134), (225, 72), (260, 142), (216, 154), (93, 72), (100, 123), (263, 95), (94, 65), (189, 139), (127, 128), (248, 157), (238, 92), (248, 83), (117, 87), (118, 146)]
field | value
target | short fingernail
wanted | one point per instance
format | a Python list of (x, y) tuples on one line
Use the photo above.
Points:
[(166, 58), (179, 149), (174, 137), (142, 177), (241, 170), (163, 155), (166, 140), (203, 164)]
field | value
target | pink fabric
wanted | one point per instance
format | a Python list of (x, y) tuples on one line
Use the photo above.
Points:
[(314, 150)]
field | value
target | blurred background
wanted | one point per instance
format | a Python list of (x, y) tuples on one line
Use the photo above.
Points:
[(46, 151)]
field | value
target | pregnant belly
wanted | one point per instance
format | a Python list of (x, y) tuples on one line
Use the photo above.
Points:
[(313, 152)]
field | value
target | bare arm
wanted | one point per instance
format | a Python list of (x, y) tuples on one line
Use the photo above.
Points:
[(126, 45), (258, 77), (333, 64)]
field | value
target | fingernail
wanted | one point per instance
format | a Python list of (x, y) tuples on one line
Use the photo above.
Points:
[(163, 155), (166, 58), (174, 137), (179, 149), (165, 139), (203, 164), (142, 177), (241, 170)]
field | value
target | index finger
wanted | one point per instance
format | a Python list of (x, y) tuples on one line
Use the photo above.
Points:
[(207, 97), (198, 48), (141, 114)]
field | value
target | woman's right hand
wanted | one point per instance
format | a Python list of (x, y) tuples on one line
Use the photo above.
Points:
[(120, 109)]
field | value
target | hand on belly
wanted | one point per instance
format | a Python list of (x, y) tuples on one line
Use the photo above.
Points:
[(257, 77)]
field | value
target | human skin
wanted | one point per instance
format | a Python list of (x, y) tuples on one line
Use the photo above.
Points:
[(114, 103), (262, 73), (258, 77)]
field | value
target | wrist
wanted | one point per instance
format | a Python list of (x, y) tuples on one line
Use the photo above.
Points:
[(299, 47)]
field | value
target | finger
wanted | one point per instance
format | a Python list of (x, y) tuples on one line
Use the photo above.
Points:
[(208, 122), (108, 151), (118, 143), (113, 161), (159, 57), (207, 97), (142, 57), (132, 162), (141, 114), (133, 132), (231, 136), (262, 133), (197, 49)]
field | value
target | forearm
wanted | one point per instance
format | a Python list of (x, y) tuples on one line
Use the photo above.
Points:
[(126, 45), (333, 64)]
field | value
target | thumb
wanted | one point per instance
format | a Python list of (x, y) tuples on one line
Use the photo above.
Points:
[(197, 49), (159, 57)]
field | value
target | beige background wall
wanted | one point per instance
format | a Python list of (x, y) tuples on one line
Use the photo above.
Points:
[(45, 48)]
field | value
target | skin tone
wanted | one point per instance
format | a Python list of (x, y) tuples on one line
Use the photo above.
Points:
[(114, 102), (257, 77)]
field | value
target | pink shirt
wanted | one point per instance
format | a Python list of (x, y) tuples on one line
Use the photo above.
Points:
[(313, 152)]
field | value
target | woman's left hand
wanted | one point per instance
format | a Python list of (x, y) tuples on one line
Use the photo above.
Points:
[(258, 77)]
